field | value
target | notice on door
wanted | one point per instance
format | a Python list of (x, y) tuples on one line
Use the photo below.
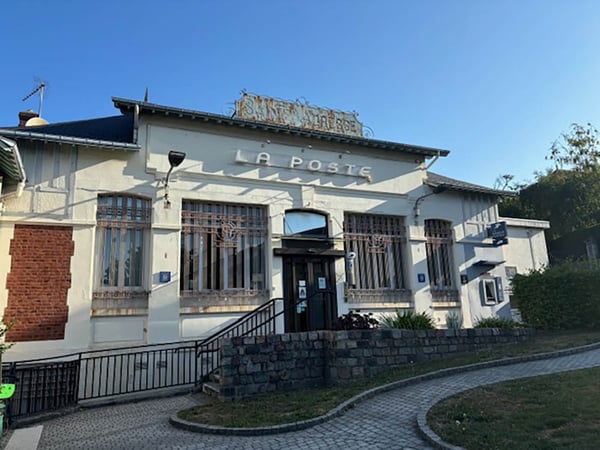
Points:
[(301, 292), (322, 283)]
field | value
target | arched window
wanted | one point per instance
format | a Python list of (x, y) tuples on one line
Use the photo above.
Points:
[(305, 224)]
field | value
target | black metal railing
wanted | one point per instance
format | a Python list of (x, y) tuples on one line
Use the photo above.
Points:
[(48, 384), (261, 321)]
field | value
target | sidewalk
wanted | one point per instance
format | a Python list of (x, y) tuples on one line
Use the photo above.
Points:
[(386, 421)]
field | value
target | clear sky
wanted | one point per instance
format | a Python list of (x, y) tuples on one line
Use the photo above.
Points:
[(493, 81)]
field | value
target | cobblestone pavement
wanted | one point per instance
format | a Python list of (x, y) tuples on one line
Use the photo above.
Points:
[(387, 421)]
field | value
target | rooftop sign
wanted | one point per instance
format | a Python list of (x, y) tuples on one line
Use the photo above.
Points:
[(297, 114)]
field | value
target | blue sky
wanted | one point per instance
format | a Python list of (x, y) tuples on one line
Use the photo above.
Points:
[(495, 82)]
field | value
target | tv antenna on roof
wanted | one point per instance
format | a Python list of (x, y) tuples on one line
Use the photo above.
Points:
[(39, 89)]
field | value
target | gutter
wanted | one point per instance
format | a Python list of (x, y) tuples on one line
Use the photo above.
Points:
[(69, 140)]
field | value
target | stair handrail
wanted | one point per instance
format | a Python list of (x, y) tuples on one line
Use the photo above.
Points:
[(240, 322), (204, 345)]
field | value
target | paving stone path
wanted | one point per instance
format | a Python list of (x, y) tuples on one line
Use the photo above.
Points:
[(386, 421)]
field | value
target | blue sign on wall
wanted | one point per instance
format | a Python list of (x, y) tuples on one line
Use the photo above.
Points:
[(421, 277), (164, 277), (499, 233)]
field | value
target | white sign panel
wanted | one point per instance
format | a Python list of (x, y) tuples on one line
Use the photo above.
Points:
[(322, 283)]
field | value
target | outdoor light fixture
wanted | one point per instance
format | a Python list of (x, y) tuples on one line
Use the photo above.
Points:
[(436, 190), (175, 160)]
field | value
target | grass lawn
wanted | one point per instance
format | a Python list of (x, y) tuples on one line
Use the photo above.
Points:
[(286, 407), (549, 412)]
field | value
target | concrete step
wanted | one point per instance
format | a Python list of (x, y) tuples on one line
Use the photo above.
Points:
[(212, 389), (215, 376)]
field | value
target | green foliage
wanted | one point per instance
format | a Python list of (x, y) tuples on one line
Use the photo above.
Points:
[(496, 322), (569, 196), (355, 321), (3, 330), (454, 321), (407, 320), (578, 149), (570, 200), (563, 296)]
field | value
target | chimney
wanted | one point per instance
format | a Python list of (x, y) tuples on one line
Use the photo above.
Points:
[(24, 116)]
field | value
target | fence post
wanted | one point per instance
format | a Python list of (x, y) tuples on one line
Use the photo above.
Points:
[(279, 317), (78, 377), (196, 357)]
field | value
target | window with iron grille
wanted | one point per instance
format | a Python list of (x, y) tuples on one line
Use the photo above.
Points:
[(223, 252), (378, 242), (123, 222), (439, 260)]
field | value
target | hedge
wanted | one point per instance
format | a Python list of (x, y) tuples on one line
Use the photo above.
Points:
[(564, 296)]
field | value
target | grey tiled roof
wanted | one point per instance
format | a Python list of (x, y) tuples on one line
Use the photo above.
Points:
[(126, 105), (435, 180), (114, 128), (115, 132)]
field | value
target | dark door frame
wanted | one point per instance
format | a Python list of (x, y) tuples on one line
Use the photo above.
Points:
[(318, 309)]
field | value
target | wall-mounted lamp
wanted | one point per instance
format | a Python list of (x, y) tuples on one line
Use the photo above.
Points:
[(175, 160), (436, 190)]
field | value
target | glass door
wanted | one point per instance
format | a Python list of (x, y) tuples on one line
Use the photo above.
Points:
[(309, 293)]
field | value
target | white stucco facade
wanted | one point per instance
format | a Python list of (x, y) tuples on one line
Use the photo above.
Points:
[(278, 172)]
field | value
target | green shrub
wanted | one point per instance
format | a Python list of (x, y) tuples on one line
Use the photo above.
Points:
[(563, 296), (496, 322), (454, 321), (355, 321), (407, 320)]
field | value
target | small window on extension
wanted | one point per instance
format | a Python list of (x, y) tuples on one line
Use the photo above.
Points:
[(490, 292)]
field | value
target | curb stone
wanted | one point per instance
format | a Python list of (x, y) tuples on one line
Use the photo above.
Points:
[(429, 435)]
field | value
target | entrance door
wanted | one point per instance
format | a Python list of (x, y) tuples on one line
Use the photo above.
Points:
[(309, 293)]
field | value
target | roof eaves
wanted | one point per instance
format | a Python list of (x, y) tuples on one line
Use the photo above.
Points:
[(435, 180), (10, 160), (18, 134), (128, 105)]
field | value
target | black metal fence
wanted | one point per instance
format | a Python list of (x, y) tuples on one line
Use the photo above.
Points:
[(48, 384)]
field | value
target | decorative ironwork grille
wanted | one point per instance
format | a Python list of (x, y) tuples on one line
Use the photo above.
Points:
[(223, 251), (123, 221), (378, 242), (439, 259)]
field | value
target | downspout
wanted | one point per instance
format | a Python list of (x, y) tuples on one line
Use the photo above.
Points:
[(136, 117)]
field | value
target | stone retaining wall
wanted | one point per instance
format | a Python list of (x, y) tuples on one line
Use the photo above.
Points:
[(256, 364)]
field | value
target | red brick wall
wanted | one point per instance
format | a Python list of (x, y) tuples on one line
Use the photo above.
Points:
[(38, 282)]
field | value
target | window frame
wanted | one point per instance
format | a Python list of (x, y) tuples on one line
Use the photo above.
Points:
[(439, 243), (379, 243), (222, 244), (123, 224), (490, 281)]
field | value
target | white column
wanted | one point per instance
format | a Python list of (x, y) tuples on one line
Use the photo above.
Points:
[(163, 302), (417, 265)]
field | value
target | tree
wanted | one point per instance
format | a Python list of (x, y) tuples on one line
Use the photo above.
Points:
[(569, 199), (578, 149)]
